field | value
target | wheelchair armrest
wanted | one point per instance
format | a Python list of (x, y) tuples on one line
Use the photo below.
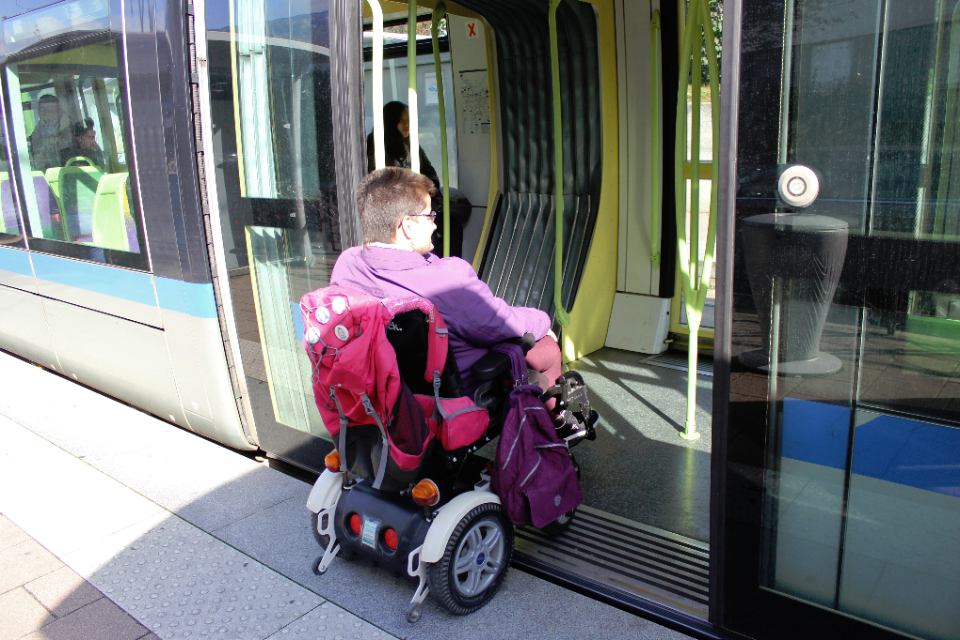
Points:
[(494, 363)]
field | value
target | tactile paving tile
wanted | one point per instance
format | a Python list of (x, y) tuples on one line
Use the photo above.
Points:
[(330, 622), (181, 582)]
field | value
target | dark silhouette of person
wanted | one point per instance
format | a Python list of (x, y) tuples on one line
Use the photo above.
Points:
[(47, 138)]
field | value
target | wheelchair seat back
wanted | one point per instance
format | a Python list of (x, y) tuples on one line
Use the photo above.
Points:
[(407, 333), (372, 360)]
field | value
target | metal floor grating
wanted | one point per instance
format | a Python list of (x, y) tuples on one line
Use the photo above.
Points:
[(639, 560), (677, 360)]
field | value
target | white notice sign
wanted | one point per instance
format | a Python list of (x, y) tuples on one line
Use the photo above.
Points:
[(430, 79)]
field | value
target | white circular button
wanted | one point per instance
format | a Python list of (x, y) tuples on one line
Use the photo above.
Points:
[(798, 186), (342, 332), (322, 315), (339, 305), (312, 336)]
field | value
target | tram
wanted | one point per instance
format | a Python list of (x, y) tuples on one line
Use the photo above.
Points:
[(176, 174)]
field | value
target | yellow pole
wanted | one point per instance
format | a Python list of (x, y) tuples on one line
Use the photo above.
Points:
[(412, 86), (438, 13), (379, 155), (694, 284)]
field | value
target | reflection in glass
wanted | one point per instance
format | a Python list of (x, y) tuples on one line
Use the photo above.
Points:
[(861, 466), (279, 278)]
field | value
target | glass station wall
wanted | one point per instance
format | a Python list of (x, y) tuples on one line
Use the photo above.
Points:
[(845, 388), (276, 186)]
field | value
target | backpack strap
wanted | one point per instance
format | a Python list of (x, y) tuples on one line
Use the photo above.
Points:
[(437, 346), (385, 451), (343, 430), (517, 362)]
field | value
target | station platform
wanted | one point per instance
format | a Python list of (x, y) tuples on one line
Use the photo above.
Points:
[(116, 525)]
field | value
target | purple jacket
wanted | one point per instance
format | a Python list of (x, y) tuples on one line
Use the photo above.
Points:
[(476, 318)]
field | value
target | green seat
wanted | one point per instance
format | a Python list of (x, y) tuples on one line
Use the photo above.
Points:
[(110, 213), (52, 176), (77, 186)]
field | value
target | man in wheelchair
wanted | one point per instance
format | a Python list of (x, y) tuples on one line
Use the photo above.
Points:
[(415, 501), (396, 261)]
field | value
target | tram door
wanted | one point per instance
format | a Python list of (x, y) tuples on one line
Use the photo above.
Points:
[(842, 469), (273, 188)]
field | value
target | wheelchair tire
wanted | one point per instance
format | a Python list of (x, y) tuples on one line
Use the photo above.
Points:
[(475, 560), (559, 525)]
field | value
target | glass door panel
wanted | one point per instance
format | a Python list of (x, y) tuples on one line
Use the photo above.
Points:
[(843, 465), (276, 189)]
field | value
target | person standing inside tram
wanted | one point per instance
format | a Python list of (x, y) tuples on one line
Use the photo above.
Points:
[(396, 260), (47, 138), (396, 147)]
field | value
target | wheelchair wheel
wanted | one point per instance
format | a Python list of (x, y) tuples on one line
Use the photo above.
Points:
[(475, 560), (559, 525)]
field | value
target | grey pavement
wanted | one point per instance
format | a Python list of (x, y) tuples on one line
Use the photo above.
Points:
[(116, 525)]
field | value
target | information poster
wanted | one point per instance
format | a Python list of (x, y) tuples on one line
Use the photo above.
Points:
[(475, 101)]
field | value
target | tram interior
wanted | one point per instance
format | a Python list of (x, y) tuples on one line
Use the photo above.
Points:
[(644, 528)]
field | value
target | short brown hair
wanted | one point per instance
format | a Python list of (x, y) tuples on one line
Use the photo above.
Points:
[(385, 196)]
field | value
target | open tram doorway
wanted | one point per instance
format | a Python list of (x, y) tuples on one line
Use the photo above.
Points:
[(282, 148), (643, 533)]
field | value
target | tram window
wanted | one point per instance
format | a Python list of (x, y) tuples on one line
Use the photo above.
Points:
[(70, 151)]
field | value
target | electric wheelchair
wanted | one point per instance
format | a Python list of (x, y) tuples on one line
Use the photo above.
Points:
[(438, 524)]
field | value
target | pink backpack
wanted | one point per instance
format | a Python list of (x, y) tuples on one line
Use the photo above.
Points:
[(357, 383)]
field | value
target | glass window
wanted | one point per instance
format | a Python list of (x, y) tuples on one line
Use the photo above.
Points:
[(67, 117), (395, 88), (10, 233)]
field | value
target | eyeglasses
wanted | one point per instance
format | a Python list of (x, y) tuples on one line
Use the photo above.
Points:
[(432, 215)]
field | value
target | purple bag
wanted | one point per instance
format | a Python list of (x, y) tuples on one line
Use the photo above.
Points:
[(533, 473)]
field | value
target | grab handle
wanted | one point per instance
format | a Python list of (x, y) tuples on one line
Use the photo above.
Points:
[(561, 315), (438, 13), (655, 141)]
